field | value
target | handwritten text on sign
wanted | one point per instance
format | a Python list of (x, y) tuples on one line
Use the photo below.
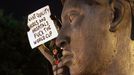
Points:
[(42, 28)]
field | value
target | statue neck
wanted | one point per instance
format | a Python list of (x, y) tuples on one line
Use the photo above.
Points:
[(123, 63)]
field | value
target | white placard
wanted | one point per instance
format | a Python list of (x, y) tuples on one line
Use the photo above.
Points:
[(42, 28)]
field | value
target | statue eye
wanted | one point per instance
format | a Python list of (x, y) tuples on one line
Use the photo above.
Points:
[(73, 16)]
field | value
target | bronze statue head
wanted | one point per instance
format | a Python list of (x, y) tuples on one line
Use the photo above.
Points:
[(95, 37)]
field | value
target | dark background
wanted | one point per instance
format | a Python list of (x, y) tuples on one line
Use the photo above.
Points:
[(16, 56), (21, 8)]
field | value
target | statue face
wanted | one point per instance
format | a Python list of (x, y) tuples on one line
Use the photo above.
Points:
[(88, 45)]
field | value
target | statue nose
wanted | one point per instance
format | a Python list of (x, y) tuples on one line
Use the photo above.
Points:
[(62, 41)]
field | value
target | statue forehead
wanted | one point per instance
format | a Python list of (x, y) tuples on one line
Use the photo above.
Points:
[(78, 3)]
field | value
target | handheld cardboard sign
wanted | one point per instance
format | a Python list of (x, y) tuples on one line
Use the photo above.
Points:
[(42, 28)]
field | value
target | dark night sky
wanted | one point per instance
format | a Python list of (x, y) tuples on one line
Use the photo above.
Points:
[(21, 8), (16, 55)]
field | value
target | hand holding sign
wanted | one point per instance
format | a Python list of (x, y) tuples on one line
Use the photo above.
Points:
[(42, 30)]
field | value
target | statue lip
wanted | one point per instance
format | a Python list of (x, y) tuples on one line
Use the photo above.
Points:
[(67, 57)]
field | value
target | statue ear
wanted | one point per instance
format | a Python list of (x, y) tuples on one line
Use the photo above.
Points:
[(117, 14)]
